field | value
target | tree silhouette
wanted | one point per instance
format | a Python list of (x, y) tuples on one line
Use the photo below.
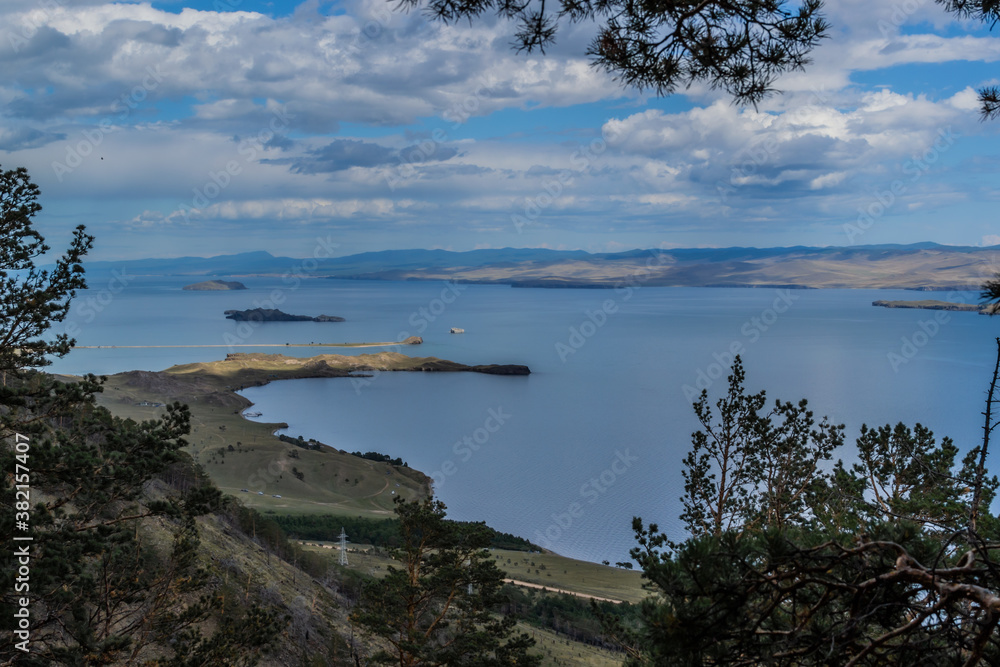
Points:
[(112, 574), (739, 46), (892, 560)]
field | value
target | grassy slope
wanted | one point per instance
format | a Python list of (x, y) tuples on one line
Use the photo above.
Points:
[(579, 576), (247, 572), (563, 573), (559, 572), (557, 650)]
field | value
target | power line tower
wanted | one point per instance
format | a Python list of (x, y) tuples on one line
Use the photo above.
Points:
[(343, 546)]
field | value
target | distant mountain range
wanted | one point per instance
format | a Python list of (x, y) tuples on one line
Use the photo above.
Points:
[(924, 266)]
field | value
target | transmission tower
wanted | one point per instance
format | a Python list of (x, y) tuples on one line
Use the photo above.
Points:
[(343, 546)]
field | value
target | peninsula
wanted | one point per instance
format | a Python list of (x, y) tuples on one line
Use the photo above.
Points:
[(215, 286), (274, 315), (237, 453), (255, 368), (412, 340)]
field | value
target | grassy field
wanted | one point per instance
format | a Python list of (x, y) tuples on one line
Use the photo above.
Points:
[(554, 571)]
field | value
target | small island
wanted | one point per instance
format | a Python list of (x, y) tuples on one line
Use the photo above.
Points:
[(932, 304), (274, 315), (215, 286)]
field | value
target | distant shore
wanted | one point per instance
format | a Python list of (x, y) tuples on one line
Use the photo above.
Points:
[(932, 304)]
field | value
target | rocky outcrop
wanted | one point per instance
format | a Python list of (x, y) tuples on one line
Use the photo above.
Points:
[(502, 369)]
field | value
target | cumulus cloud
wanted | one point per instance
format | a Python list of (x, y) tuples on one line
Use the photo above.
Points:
[(337, 68), (21, 138), (313, 118), (286, 210), (343, 154), (816, 147)]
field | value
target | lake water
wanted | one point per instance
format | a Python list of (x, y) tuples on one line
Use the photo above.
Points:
[(595, 435)]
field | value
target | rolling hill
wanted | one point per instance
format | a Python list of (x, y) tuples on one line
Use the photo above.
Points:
[(921, 266)]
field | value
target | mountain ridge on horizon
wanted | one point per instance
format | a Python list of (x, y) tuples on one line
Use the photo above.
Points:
[(926, 265), (920, 245)]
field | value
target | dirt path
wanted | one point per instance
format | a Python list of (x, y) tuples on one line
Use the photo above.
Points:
[(379, 492), (526, 584)]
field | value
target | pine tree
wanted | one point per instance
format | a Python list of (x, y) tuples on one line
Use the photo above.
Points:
[(739, 46), (892, 560), (439, 607), (100, 584)]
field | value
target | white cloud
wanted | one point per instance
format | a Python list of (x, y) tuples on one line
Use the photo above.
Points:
[(966, 99), (222, 78), (827, 180)]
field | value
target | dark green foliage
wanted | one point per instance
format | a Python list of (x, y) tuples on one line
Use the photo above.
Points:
[(243, 636), (271, 535), (102, 586), (508, 541), (987, 12), (382, 533), (300, 442), (740, 46), (381, 458), (32, 299), (439, 607), (881, 562), (991, 293), (775, 596), (748, 468), (571, 616), (114, 572)]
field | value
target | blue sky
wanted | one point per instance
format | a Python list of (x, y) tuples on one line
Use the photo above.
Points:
[(183, 127)]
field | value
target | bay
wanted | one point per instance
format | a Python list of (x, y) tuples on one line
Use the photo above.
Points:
[(595, 435)]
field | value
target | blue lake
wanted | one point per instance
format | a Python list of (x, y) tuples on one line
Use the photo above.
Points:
[(595, 435)]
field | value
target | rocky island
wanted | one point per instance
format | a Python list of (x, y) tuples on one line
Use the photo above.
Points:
[(274, 315), (215, 286)]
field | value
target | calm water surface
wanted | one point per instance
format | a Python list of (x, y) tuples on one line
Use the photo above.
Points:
[(567, 456)]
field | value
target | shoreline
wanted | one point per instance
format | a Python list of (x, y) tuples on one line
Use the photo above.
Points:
[(283, 426), (241, 455), (307, 438)]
